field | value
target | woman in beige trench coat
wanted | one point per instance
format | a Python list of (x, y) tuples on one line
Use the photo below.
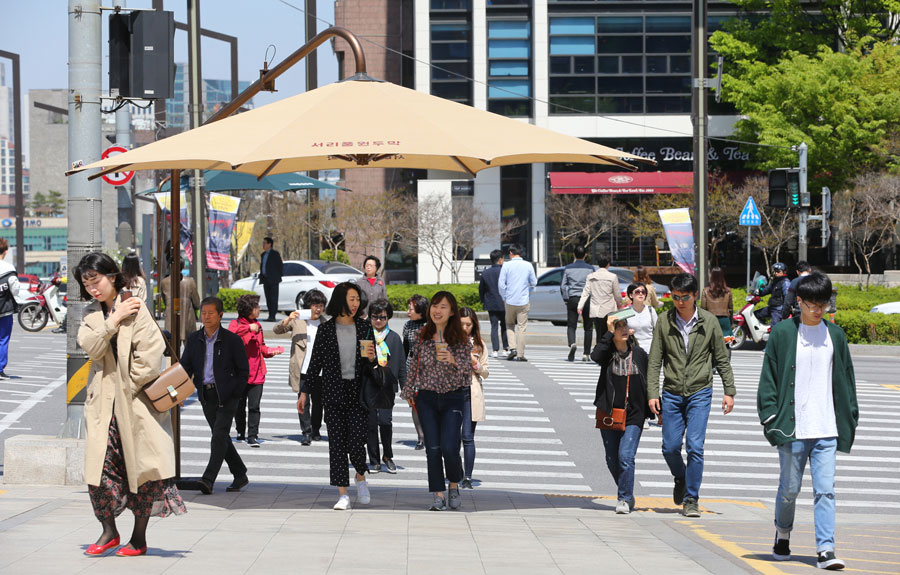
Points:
[(130, 454), (473, 411)]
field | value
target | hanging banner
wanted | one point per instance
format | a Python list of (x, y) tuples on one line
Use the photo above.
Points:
[(240, 239), (222, 217), (185, 236), (680, 235)]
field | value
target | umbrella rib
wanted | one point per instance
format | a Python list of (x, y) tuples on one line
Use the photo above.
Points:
[(267, 170), (617, 162), (102, 173), (463, 166)]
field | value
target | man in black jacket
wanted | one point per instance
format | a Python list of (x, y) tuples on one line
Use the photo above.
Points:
[(492, 303), (778, 289), (571, 286), (217, 361), (270, 269)]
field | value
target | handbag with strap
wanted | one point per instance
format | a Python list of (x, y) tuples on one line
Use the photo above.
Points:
[(615, 421), (173, 385)]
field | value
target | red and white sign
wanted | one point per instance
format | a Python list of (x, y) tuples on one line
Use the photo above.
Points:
[(619, 183), (116, 178)]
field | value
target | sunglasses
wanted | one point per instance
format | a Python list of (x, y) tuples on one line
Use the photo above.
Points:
[(379, 317), (681, 297), (639, 292)]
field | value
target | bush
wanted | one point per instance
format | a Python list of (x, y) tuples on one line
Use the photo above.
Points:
[(229, 297), (872, 328), (339, 256), (465, 294)]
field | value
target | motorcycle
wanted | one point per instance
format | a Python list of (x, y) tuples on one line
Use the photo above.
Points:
[(37, 310), (748, 327)]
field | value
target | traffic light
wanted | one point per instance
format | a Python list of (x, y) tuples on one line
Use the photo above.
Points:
[(793, 187), (784, 188)]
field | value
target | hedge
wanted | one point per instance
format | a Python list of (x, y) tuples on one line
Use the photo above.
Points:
[(230, 296), (466, 294), (871, 328)]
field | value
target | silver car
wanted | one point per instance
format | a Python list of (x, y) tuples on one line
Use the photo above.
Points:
[(547, 304), (297, 278)]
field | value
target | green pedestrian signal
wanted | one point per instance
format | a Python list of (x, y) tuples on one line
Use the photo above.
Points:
[(793, 187)]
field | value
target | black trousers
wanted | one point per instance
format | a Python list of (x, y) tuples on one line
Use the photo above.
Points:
[(271, 292), (600, 325), (311, 418), (572, 322), (347, 426), (220, 446), (251, 399), (380, 421), (498, 321)]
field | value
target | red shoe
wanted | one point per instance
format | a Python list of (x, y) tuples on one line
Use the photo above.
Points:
[(94, 549), (131, 552)]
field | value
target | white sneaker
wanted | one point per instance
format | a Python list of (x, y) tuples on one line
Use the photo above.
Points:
[(622, 507), (495, 354), (343, 503), (362, 492)]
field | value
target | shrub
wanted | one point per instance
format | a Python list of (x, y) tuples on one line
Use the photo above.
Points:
[(229, 297), (338, 256), (872, 328), (465, 294)]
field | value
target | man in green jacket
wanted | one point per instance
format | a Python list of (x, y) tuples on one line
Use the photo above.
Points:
[(807, 405), (687, 341)]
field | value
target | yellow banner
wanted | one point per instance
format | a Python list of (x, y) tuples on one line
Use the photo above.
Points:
[(224, 203), (165, 200), (678, 216), (240, 239)]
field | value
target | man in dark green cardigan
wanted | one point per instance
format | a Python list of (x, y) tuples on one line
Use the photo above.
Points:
[(807, 405)]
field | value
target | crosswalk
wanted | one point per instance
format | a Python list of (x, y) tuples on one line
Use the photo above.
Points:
[(517, 446), (739, 462)]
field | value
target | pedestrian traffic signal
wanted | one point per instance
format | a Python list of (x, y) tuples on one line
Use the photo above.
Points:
[(793, 187), (784, 188)]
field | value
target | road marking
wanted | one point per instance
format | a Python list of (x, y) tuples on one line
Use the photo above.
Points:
[(23, 408), (764, 567)]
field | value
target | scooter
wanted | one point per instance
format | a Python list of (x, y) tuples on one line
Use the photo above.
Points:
[(37, 310), (748, 327)]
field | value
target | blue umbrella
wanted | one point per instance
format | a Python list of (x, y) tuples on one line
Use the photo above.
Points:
[(220, 181)]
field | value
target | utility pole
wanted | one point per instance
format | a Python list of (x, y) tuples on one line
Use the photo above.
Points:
[(17, 161), (196, 119), (123, 138), (85, 196), (312, 82), (803, 237), (701, 126)]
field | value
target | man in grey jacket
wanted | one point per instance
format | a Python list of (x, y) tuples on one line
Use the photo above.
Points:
[(571, 286)]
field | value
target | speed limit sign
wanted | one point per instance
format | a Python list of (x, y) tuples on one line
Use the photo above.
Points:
[(116, 178)]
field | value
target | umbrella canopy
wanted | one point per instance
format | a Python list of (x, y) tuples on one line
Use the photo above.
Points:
[(362, 122), (219, 181)]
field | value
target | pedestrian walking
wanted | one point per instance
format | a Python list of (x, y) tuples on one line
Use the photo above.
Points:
[(777, 291), (791, 307), (129, 451), (643, 322), (572, 285), (389, 371), (622, 385), (686, 342), (303, 337), (514, 285), (190, 304), (717, 300), (642, 277), (440, 374), (270, 269), (9, 287), (492, 302), (135, 279), (601, 289), (807, 405), (372, 286), (417, 308), (473, 406), (248, 328), (337, 359), (217, 361)]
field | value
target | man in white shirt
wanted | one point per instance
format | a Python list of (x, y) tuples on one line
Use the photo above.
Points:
[(516, 280)]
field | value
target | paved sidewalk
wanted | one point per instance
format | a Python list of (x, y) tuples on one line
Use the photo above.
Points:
[(277, 528)]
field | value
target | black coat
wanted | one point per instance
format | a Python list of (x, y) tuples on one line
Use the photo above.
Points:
[(274, 267), (607, 396), (489, 291), (230, 366), (381, 384), (326, 363)]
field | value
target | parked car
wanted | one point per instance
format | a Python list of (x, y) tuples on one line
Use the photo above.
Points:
[(892, 307), (547, 304), (298, 277)]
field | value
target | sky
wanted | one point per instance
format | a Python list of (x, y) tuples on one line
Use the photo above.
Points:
[(37, 30)]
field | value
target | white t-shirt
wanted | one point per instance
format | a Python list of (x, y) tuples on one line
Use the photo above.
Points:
[(312, 325), (643, 324), (813, 399)]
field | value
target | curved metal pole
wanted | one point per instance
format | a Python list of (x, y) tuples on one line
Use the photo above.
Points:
[(302, 52)]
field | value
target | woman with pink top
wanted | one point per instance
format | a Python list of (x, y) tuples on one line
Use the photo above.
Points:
[(248, 328)]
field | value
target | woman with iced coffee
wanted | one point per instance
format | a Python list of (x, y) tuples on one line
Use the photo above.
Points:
[(343, 344), (440, 373)]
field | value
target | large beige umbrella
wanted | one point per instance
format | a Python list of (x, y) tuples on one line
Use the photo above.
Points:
[(362, 122)]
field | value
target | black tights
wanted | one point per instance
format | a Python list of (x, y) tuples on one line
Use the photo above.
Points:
[(138, 535)]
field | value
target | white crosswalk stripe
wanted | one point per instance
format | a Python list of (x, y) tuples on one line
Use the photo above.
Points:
[(739, 462), (517, 447)]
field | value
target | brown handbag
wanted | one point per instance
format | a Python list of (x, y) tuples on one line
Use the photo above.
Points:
[(172, 386), (615, 421)]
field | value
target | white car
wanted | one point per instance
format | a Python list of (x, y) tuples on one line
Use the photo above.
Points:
[(297, 278), (892, 307)]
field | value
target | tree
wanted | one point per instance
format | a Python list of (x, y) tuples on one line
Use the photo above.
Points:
[(51, 205), (642, 218), (432, 233), (370, 222), (469, 224), (581, 219)]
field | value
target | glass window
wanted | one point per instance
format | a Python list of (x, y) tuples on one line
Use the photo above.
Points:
[(632, 64), (452, 51), (441, 32), (559, 26), (560, 65), (680, 64), (451, 90), (449, 4), (572, 85), (553, 278), (656, 65), (564, 105), (608, 65), (509, 29), (509, 48), (668, 24), (583, 64), (450, 71), (338, 268), (668, 104), (608, 105), (511, 68), (295, 269), (677, 44), (574, 45), (669, 84), (509, 88), (620, 85), (620, 24), (511, 108), (620, 44)]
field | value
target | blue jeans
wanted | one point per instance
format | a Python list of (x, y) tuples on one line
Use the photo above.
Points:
[(6, 325), (821, 454), (621, 447), (685, 418), (468, 436), (441, 415)]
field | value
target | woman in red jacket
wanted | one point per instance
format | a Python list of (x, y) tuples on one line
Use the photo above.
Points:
[(248, 328)]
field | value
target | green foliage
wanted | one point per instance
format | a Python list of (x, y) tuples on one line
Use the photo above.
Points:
[(465, 294), (871, 328), (335, 256), (229, 297)]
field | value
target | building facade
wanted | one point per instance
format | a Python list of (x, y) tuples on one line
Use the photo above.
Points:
[(215, 94), (45, 243)]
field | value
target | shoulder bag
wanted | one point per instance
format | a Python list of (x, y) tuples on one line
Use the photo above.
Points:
[(615, 421), (172, 386)]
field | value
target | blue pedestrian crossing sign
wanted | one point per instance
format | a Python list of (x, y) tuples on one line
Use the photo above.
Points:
[(750, 214)]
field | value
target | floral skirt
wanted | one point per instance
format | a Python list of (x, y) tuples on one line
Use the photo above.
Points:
[(154, 498)]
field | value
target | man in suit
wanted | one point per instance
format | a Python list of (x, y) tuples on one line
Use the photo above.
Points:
[(492, 303), (270, 268), (217, 361)]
